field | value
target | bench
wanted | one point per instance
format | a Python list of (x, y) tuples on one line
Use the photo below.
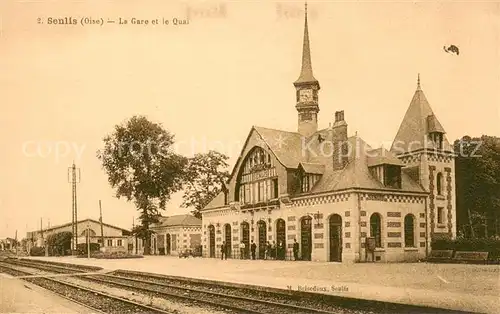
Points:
[(440, 256), (471, 257)]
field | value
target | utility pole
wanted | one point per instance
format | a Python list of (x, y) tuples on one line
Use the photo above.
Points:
[(41, 231), (88, 239), (74, 180), (100, 220), (15, 242)]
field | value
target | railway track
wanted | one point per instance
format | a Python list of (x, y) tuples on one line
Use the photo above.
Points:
[(213, 296), (94, 300), (218, 295)]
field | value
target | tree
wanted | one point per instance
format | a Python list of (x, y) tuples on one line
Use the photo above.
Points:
[(60, 242), (477, 169), (205, 179), (141, 165)]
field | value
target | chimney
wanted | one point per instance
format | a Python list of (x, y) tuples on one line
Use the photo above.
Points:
[(339, 138)]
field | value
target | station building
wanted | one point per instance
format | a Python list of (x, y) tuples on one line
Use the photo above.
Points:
[(330, 191), (173, 234)]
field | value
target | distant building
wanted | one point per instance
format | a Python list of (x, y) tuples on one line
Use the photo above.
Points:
[(332, 192), (115, 238), (174, 234), (7, 244)]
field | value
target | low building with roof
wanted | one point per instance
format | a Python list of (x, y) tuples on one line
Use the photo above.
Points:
[(173, 234), (333, 193), (115, 238)]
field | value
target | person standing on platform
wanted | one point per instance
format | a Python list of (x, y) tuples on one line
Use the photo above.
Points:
[(280, 251), (295, 250), (223, 250), (268, 250), (242, 250), (228, 250), (273, 250), (253, 247)]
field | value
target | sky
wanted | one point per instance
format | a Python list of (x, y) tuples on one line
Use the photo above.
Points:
[(64, 87)]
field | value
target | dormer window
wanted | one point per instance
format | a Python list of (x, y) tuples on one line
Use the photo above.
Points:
[(388, 175), (308, 180), (392, 176), (309, 175), (305, 183), (385, 167), (437, 139), (435, 131)]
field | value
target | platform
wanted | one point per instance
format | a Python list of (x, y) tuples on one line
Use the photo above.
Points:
[(473, 288), (18, 296)]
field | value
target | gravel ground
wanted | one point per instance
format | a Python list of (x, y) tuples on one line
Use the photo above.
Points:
[(75, 266), (216, 295), (154, 301), (320, 302), (174, 307), (470, 279), (92, 300), (316, 303)]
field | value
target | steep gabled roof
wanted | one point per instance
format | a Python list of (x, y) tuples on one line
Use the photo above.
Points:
[(382, 156), (313, 168), (217, 201), (356, 173), (433, 124), (285, 145), (418, 121)]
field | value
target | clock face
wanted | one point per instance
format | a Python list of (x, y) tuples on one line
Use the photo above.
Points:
[(306, 95)]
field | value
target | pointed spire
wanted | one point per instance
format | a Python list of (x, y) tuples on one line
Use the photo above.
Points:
[(306, 73), (418, 82)]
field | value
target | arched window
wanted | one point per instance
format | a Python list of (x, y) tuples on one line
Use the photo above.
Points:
[(409, 231), (376, 229), (84, 233), (257, 179), (439, 184)]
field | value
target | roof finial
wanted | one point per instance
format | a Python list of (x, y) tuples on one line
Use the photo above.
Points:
[(306, 9), (418, 81)]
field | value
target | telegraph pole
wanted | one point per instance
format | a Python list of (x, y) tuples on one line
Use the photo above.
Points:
[(100, 219), (15, 243), (88, 239), (74, 180), (41, 230)]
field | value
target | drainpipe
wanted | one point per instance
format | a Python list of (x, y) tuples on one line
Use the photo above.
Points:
[(426, 231), (359, 227)]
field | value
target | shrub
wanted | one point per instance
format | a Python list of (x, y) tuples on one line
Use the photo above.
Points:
[(37, 251), (492, 246), (82, 248), (116, 255)]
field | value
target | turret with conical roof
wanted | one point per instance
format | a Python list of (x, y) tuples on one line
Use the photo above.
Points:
[(420, 128), (307, 88), (422, 146)]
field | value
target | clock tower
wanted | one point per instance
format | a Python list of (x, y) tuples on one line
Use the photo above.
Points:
[(307, 88)]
